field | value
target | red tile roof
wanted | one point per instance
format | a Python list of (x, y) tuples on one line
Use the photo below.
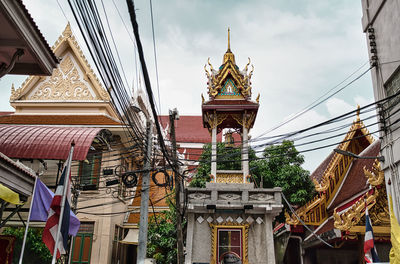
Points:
[(319, 171), (18, 119), (356, 181), (45, 142), (6, 113), (189, 129)]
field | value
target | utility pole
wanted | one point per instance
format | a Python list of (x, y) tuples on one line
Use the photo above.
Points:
[(144, 203), (173, 115)]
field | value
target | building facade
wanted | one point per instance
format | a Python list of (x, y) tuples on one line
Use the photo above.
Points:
[(380, 23), (69, 105), (345, 186)]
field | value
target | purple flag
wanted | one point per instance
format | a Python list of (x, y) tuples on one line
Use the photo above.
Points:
[(41, 205)]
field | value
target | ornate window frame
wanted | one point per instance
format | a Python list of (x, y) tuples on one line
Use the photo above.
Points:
[(214, 239)]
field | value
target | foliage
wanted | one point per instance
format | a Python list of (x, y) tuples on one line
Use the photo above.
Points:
[(161, 236), (35, 250), (228, 159), (281, 167)]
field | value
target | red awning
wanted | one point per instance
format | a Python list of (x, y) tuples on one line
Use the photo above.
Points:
[(45, 142)]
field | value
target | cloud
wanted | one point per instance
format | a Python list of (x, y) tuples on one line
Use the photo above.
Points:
[(300, 49)]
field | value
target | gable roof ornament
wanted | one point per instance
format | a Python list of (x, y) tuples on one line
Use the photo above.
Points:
[(229, 71), (66, 40)]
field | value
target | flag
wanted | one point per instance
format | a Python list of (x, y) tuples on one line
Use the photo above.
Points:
[(41, 205), (371, 255), (8, 195), (57, 211)]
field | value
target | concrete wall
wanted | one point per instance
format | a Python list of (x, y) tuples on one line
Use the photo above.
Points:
[(202, 243), (383, 17)]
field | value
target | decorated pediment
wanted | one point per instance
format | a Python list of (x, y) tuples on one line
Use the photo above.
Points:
[(375, 200), (72, 80), (228, 78), (331, 181)]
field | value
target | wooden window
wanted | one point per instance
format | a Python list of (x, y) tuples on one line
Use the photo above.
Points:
[(82, 245), (89, 171), (229, 242)]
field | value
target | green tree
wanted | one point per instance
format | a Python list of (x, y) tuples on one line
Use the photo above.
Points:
[(35, 250), (228, 159), (281, 167), (161, 236)]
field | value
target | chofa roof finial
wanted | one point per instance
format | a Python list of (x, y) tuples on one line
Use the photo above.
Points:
[(229, 39)]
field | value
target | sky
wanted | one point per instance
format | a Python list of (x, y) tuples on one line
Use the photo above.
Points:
[(300, 49)]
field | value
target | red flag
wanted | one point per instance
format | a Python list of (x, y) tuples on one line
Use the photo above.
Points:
[(51, 229)]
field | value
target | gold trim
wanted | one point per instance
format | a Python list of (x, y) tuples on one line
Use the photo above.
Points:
[(229, 178), (377, 229), (214, 236), (376, 176), (215, 119), (353, 215)]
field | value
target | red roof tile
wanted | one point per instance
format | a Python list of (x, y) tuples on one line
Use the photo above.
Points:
[(356, 181), (189, 129), (45, 142), (319, 171), (57, 120), (6, 113)]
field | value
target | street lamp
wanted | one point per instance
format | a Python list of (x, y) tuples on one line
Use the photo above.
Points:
[(351, 154)]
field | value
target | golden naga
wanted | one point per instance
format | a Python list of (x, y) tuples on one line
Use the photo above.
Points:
[(353, 215), (376, 176), (290, 220), (247, 82), (321, 186), (246, 67)]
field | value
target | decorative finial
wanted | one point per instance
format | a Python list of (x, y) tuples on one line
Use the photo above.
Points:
[(229, 39), (67, 31), (228, 54), (358, 113)]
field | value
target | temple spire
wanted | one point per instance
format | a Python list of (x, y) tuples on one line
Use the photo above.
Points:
[(228, 54), (229, 39)]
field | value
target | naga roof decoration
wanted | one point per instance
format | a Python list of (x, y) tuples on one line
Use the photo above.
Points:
[(328, 185), (375, 199), (67, 82), (228, 82)]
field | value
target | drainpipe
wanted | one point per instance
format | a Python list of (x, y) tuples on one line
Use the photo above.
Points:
[(300, 247)]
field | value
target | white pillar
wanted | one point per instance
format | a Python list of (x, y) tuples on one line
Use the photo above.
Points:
[(269, 239), (245, 152), (214, 152), (189, 238)]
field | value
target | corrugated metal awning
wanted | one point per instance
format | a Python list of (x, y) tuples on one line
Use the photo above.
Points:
[(46, 142)]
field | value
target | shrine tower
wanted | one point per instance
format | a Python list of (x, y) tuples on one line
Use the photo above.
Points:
[(229, 106), (230, 221)]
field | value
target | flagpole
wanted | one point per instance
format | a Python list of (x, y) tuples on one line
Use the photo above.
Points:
[(21, 256), (66, 178)]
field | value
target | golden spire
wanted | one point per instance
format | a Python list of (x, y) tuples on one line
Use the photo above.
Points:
[(358, 113), (228, 54), (229, 39)]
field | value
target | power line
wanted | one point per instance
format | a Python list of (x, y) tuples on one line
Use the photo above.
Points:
[(318, 102)]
